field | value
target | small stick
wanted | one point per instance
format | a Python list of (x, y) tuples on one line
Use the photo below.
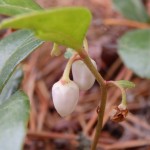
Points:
[(125, 22)]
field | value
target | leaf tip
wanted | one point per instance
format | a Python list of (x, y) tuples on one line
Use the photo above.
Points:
[(126, 84)]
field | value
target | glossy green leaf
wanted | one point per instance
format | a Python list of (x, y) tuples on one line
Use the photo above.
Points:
[(134, 49), (13, 49), (65, 26), (132, 9), (14, 114), (12, 85), (125, 84), (14, 7)]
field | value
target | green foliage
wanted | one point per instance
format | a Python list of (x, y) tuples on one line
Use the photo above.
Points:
[(65, 26), (125, 84), (12, 85), (13, 49), (14, 7), (14, 109), (132, 9), (134, 46), (134, 49), (14, 114)]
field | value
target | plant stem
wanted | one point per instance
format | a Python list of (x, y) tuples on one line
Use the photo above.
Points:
[(100, 117), (124, 101), (66, 73), (103, 86), (90, 65)]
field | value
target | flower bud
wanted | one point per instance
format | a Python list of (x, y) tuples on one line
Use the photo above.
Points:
[(65, 97), (82, 75), (119, 113)]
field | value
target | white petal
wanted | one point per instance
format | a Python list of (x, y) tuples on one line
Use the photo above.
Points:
[(82, 75), (65, 97)]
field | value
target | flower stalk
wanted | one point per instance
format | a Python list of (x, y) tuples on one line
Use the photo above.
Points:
[(66, 73), (100, 117), (103, 86), (123, 92)]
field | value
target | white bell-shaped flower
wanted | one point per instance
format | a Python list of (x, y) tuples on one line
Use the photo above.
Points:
[(65, 97), (82, 76)]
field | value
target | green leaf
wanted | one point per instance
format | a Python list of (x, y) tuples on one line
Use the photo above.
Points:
[(12, 85), (125, 84), (134, 49), (65, 26), (132, 9), (14, 114), (14, 7), (13, 49)]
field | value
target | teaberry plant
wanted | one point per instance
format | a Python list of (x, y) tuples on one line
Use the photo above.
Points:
[(63, 26)]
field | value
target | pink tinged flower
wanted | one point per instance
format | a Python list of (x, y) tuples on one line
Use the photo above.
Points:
[(65, 97), (82, 75)]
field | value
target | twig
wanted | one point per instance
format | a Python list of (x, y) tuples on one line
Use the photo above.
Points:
[(124, 22), (128, 144), (51, 135)]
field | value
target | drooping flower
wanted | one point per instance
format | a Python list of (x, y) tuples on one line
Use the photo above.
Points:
[(65, 97), (82, 76)]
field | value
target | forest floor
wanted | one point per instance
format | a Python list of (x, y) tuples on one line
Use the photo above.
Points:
[(47, 130)]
